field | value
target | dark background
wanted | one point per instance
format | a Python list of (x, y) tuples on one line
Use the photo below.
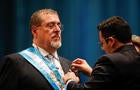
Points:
[(79, 17)]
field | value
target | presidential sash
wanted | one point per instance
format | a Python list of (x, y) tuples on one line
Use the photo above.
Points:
[(47, 69)]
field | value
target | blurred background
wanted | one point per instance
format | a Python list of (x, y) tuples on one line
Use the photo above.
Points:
[(79, 17)]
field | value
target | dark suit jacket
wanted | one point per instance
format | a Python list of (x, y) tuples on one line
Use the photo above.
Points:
[(16, 73), (117, 71)]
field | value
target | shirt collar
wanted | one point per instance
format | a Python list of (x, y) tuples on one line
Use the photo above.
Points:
[(45, 53)]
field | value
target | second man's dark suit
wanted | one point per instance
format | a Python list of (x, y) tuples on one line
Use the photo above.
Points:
[(16, 73), (117, 71)]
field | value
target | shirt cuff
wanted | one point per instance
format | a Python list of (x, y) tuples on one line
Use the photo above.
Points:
[(68, 81)]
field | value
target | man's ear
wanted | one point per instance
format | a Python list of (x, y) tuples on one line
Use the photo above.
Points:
[(34, 30), (112, 42)]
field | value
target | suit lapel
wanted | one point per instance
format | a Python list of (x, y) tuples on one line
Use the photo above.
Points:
[(65, 65)]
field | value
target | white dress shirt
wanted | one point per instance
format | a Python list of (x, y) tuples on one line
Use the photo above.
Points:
[(55, 61)]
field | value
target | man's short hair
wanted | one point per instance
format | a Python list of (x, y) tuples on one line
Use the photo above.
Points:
[(116, 27)]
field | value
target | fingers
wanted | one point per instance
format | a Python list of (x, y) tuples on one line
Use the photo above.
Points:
[(70, 75), (78, 61), (76, 65), (74, 69)]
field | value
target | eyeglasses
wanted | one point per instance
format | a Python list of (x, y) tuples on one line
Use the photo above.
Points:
[(52, 25), (100, 44)]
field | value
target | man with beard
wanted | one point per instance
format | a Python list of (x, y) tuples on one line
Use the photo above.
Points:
[(38, 67)]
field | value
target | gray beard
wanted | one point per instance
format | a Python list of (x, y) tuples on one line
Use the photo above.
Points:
[(56, 44)]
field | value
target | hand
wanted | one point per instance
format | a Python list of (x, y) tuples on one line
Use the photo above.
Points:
[(70, 75), (80, 65)]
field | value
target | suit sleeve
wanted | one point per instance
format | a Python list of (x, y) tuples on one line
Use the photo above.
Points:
[(103, 74), (8, 78)]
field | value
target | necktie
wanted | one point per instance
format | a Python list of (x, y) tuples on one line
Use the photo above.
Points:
[(51, 58), (56, 63)]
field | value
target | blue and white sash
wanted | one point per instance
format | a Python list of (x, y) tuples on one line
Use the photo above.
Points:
[(48, 70)]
